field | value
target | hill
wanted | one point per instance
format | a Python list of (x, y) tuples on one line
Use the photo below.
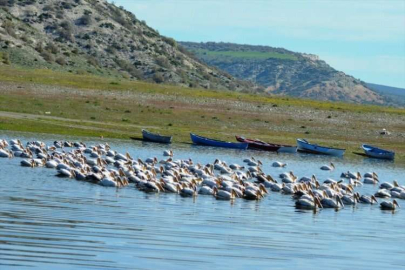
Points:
[(94, 36), (394, 93), (281, 71)]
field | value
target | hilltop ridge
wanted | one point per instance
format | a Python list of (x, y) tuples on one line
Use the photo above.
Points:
[(97, 37), (285, 72)]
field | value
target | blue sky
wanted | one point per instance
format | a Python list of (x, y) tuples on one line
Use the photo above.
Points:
[(365, 39)]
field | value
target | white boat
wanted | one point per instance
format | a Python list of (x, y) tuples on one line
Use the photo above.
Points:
[(376, 152), (305, 146)]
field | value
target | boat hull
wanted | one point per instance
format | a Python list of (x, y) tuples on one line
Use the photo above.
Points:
[(153, 137), (259, 145), (375, 152), (305, 146), (216, 143)]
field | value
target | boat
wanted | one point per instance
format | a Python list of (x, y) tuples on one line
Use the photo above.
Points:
[(216, 143), (260, 145), (155, 137), (375, 152), (304, 146)]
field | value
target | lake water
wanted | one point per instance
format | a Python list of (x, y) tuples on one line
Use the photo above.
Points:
[(53, 223)]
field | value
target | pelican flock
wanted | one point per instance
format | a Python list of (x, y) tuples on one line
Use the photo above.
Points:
[(99, 164)]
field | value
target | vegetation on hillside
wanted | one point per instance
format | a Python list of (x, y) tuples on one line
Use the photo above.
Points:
[(285, 72), (96, 37)]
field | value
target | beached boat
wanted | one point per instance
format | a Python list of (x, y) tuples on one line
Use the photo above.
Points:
[(216, 143), (305, 146), (154, 137), (260, 145), (375, 152)]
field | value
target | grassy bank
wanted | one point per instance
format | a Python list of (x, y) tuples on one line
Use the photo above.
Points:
[(62, 103)]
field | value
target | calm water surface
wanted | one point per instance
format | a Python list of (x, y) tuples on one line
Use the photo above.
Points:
[(53, 223)]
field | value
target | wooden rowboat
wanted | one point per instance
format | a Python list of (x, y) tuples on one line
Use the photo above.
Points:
[(260, 145), (154, 137), (305, 146), (375, 152), (216, 143)]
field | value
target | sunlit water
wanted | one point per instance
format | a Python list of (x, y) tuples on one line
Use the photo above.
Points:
[(53, 223)]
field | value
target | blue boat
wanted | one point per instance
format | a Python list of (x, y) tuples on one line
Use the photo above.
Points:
[(375, 152), (216, 143), (154, 137), (304, 146)]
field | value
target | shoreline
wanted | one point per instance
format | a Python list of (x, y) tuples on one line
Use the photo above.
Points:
[(95, 107)]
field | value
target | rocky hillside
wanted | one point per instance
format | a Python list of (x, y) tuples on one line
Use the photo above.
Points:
[(285, 72), (94, 36)]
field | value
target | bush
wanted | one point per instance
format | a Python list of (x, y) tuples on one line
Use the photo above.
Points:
[(48, 57), (6, 59), (158, 77), (61, 61), (86, 20), (162, 61)]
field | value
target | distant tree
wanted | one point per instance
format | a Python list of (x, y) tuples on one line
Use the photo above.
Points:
[(158, 77)]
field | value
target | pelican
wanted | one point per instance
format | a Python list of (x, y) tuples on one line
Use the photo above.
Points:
[(206, 190), (370, 175), (27, 163), (307, 203), (188, 192), (168, 153), (367, 200), (387, 205), (371, 181), (278, 164), (251, 194), (330, 203), (224, 195), (383, 193), (387, 185), (350, 199), (328, 168), (5, 153)]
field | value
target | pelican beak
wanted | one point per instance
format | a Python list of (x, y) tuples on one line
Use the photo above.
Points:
[(373, 199), (396, 203)]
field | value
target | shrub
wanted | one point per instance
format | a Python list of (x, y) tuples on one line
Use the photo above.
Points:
[(162, 61), (158, 77), (61, 61), (6, 59), (48, 57), (86, 20)]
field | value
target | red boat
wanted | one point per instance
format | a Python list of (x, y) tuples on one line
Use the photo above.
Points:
[(260, 145)]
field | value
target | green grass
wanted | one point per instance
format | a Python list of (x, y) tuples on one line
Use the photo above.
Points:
[(246, 54), (58, 78), (121, 108)]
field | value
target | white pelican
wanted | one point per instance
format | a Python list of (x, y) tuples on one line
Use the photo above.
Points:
[(350, 199), (206, 190), (383, 193), (330, 203), (370, 175), (188, 192), (307, 203), (27, 163), (387, 185), (328, 168), (5, 153), (278, 164), (367, 200), (224, 195), (387, 205), (371, 181)]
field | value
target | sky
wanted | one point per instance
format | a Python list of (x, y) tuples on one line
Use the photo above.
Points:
[(363, 38)]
